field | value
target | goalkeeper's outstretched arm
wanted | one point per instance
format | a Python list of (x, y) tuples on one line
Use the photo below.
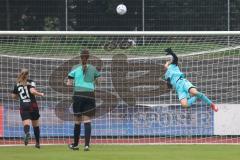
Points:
[(167, 64), (174, 61)]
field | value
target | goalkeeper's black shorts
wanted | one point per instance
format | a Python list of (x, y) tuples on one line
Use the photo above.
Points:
[(84, 104)]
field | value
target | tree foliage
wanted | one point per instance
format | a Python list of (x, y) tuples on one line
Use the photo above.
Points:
[(101, 15)]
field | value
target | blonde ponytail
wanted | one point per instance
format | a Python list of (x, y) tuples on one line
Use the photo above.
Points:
[(22, 77)]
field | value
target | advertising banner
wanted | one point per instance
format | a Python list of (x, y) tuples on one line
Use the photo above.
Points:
[(140, 120)]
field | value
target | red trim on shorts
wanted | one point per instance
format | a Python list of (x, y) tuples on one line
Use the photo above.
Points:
[(34, 106)]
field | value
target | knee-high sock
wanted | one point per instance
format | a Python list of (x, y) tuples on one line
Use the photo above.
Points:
[(87, 127), (77, 129), (36, 131), (26, 129), (204, 98), (191, 101)]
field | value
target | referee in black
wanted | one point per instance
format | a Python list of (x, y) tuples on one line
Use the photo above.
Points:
[(83, 78)]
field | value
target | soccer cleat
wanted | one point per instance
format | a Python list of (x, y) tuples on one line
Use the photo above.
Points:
[(86, 148), (37, 145), (73, 147), (26, 139), (214, 107)]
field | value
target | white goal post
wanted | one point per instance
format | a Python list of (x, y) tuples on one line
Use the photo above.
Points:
[(133, 104)]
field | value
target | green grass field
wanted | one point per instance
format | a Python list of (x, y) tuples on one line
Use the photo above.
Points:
[(124, 152)]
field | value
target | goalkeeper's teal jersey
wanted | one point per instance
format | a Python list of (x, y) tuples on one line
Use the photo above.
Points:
[(173, 72), (84, 83)]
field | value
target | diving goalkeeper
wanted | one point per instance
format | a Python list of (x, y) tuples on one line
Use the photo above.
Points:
[(187, 93)]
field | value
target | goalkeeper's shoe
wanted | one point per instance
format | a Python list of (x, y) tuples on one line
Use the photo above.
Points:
[(26, 139), (214, 107), (86, 148), (73, 147)]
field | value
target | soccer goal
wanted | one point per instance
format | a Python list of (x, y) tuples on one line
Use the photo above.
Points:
[(134, 104)]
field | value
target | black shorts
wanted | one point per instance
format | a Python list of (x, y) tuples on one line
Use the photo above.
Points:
[(84, 104), (29, 111)]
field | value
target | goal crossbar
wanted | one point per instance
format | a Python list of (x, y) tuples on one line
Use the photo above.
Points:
[(126, 33)]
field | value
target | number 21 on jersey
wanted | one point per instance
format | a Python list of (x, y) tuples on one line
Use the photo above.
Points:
[(23, 92)]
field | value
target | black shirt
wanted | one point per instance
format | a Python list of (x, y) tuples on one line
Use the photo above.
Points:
[(24, 93)]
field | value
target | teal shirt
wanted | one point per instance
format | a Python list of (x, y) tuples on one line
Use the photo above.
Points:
[(173, 72), (84, 83)]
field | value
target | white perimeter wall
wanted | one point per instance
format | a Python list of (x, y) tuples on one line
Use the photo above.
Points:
[(227, 120)]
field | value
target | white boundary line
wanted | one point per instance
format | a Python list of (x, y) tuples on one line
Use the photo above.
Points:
[(123, 144)]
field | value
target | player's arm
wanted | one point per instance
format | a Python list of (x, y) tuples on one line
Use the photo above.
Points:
[(15, 92), (14, 96), (33, 89), (168, 80), (70, 79), (97, 77), (100, 79), (167, 64), (35, 92)]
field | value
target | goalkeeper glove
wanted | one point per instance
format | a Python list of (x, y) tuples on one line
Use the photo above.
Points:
[(170, 52)]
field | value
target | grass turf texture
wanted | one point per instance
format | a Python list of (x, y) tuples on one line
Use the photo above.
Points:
[(125, 152)]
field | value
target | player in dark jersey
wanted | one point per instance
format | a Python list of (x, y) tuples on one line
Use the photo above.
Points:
[(25, 91)]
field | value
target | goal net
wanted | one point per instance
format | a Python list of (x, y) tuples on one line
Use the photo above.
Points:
[(134, 104)]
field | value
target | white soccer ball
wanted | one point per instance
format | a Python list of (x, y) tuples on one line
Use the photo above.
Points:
[(121, 9)]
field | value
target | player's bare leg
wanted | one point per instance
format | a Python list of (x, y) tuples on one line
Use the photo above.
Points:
[(184, 102), (199, 95)]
